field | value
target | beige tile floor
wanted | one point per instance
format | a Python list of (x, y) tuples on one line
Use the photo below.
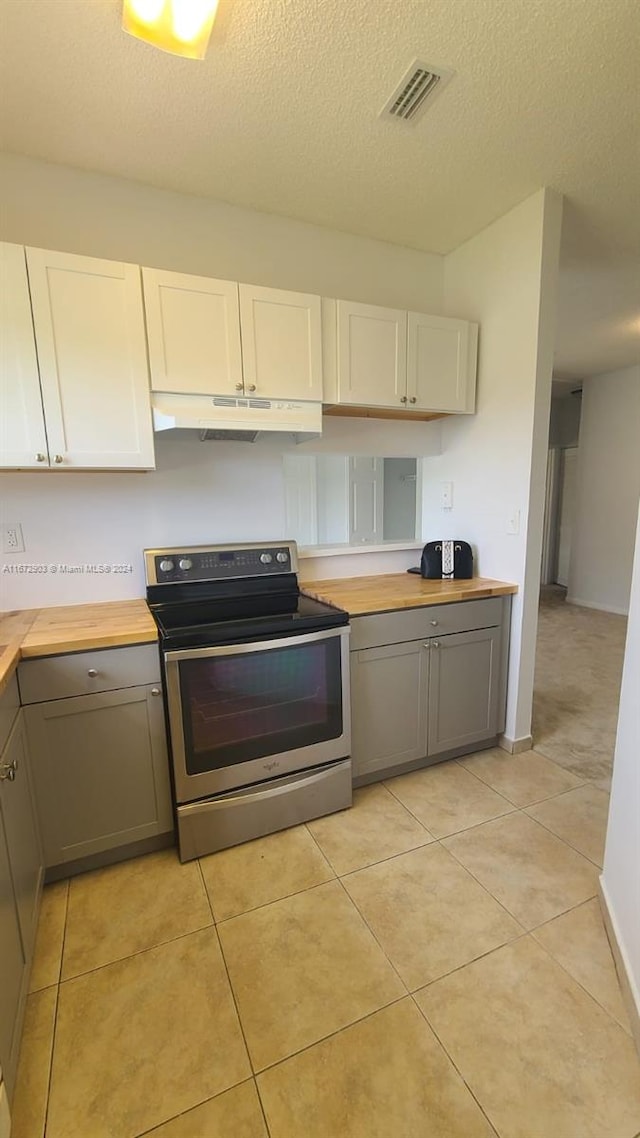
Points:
[(579, 660), (429, 964)]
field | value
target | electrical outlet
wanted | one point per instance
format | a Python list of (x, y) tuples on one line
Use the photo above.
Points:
[(12, 539), (446, 495)]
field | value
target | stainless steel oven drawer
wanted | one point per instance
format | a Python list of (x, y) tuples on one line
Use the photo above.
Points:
[(228, 819), (84, 673)]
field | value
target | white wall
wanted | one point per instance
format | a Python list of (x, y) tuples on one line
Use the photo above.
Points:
[(506, 279), (56, 207), (200, 493), (608, 489), (621, 876)]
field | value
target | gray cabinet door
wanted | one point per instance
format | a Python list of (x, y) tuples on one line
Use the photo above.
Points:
[(389, 698), (101, 771), (12, 968), (21, 830), (464, 689)]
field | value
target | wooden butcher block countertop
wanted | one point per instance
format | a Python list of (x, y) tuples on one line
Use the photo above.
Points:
[(72, 628), (359, 595)]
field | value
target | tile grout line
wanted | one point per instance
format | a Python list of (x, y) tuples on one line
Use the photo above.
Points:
[(556, 835), (235, 1002), (512, 810), (132, 955), (56, 1009), (182, 1113), (368, 926), (411, 991), (370, 864), (503, 794), (332, 1034), (455, 1065), (564, 967)]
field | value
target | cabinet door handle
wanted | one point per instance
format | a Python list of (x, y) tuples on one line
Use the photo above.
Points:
[(40, 457), (427, 644), (238, 387), (433, 622), (403, 399), (58, 458), (413, 399), (436, 644), (93, 672), (156, 691), (8, 771), (252, 387)]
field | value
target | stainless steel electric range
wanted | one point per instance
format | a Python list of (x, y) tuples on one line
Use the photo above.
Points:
[(256, 692)]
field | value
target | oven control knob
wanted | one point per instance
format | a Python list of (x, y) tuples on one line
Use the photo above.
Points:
[(282, 557), (166, 566), (266, 558), (185, 563)]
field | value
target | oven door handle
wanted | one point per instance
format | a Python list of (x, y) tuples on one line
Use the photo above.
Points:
[(175, 655)]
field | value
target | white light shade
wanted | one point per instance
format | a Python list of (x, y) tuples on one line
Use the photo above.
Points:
[(182, 27)]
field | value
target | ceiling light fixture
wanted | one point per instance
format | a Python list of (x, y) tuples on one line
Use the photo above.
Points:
[(182, 27)]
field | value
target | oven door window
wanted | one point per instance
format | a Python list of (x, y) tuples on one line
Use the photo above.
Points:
[(247, 706)]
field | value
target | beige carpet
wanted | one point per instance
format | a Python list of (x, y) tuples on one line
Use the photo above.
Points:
[(577, 685)]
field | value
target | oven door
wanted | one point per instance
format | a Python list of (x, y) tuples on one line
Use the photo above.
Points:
[(243, 713)]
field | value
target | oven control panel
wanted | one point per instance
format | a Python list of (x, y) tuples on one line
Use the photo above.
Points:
[(219, 563)]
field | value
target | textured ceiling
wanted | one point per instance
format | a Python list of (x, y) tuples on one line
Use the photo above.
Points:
[(283, 116)]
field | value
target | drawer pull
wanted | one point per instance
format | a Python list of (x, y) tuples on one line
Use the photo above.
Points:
[(433, 622), (156, 691), (8, 771), (93, 673)]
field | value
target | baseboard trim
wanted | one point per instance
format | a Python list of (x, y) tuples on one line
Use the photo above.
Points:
[(599, 607), (515, 746), (630, 994)]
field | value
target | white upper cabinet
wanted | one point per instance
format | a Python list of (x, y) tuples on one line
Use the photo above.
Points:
[(371, 355), (23, 441), (90, 335), (441, 363), (281, 343), (193, 330)]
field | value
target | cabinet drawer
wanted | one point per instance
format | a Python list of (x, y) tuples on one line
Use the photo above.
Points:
[(9, 704), (57, 677), (421, 623)]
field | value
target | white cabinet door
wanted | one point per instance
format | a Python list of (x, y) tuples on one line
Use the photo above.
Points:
[(89, 325), (441, 363), (193, 330), (371, 355), (23, 441), (281, 343)]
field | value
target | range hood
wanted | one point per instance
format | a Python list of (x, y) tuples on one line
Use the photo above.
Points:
[(237, 419)]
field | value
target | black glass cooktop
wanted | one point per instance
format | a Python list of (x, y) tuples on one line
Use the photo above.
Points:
[(230, 620)]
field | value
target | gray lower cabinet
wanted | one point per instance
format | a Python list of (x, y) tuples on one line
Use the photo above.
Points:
[(464, 690), (101, 771), (14, 968), (418, 701), (389, 709), (21, 874)]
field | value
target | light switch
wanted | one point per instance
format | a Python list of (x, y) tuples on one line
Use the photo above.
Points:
[(513, 522), (446, 495)]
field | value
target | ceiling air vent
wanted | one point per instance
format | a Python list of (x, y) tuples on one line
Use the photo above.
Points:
[(419, 86)]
